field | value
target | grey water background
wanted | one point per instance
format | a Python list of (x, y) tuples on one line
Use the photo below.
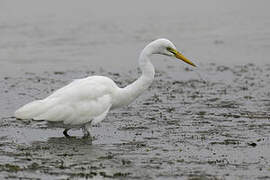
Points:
[(45, 35), (211, 122)]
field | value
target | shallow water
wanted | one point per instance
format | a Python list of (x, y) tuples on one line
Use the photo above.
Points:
[(210, 122), (38, 36), (216, 128)]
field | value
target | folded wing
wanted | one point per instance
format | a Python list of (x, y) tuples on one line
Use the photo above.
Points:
[(79, 102)]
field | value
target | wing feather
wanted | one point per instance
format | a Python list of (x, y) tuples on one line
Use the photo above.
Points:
[(79, 102)]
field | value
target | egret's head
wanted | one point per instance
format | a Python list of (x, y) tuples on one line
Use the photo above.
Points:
[(166, 47)]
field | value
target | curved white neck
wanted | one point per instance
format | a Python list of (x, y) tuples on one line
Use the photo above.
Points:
[(147, 68), (132, 91)]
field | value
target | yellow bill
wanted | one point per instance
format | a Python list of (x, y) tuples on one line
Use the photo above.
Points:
[(178, 55)]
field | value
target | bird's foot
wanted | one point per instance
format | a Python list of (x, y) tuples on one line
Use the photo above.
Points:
[(66, 134), (88, 137), (96, 125), (86, 132)]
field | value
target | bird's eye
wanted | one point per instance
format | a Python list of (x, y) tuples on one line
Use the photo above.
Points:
[(171, 50)]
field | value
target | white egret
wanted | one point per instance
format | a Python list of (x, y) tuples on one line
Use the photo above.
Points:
[(85, 102)]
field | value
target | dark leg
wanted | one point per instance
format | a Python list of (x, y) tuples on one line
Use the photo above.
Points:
[(66, 134)]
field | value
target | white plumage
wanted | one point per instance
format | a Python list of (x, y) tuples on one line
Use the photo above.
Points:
[(87, 101)]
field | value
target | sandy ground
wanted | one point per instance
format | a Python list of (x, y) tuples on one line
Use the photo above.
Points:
[(211, 122)]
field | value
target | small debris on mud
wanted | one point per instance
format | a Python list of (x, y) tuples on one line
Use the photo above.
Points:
[(181, 128)]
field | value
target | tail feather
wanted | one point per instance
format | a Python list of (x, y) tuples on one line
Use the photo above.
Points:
[(32, 109)]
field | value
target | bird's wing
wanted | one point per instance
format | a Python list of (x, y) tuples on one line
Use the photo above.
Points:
[(79, 102)]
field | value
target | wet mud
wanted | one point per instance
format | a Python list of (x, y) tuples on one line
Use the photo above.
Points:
[(207, 123)]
